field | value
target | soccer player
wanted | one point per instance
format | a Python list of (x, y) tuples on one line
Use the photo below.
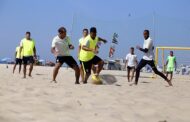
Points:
[(148, 58), (61, 46), (29, 53), (18, 59), (171, 65), (88, 55), (131, 63)]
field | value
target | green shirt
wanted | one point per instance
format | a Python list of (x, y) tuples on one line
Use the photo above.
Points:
[(171, 61)]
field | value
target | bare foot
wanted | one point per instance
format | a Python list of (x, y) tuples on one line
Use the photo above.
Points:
[(53, 81), (132, 84), (169, 82), (84, 82), (77, 82)]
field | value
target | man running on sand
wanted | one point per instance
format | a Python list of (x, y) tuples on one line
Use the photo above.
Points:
[(131, 63), (148, 58), (88, 55), (61, 45), (94, 68), (29, 53), (18, 59)]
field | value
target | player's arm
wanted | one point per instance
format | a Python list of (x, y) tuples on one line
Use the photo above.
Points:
[(126, 62), (53, 50), (21, 47), (71, 46), (86, 47), (89, 49), (175, 64), (15, 54), (136, 61), (102, 40), (166, 62), (145, 50), (79, 49), (53, 47), (34, 51)]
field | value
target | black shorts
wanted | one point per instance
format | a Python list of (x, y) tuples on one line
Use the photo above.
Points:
[(18, 61), (80, 62), (88, 65), (28, 59), (69, 60), (130, 67)]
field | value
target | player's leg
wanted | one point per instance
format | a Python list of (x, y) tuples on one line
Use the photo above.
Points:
[(151, 63), (70, 61), (81, 71), (141, 64), (87, 70), (20, 65), (98, 61), (31, 61), (25, 61), (128, 73), (132, 73), (59, 62), (14, 67), (167, 74)]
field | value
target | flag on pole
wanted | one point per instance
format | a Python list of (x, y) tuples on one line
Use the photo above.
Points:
[(112, 47)]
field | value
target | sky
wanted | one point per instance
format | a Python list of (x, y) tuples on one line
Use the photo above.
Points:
[(167, 20)]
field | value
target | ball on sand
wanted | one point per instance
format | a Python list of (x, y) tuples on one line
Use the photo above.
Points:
[(96, 82)]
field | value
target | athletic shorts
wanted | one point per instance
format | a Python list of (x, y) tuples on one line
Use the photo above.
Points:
[(80, 62), (69, 60), (28, 59), (130, 67), (88, 65), (170, 69), (18, 61)]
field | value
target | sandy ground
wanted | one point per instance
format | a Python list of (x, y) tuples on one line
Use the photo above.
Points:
[(37, 100)]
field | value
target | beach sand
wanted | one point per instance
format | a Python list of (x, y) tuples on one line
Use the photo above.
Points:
[(37, 100)]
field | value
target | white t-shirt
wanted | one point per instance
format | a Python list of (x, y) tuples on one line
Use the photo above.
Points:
[(131, 60), (148, 43), (61, 46)]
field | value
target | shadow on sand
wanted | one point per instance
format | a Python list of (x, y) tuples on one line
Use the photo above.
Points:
[(108, 79)]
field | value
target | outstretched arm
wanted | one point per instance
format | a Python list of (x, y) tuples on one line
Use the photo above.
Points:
[(103, 40)]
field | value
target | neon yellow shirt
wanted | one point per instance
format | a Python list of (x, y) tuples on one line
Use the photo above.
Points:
[(28, 47), (171, 61), (80, 44), (90, 43), (18, 54)]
